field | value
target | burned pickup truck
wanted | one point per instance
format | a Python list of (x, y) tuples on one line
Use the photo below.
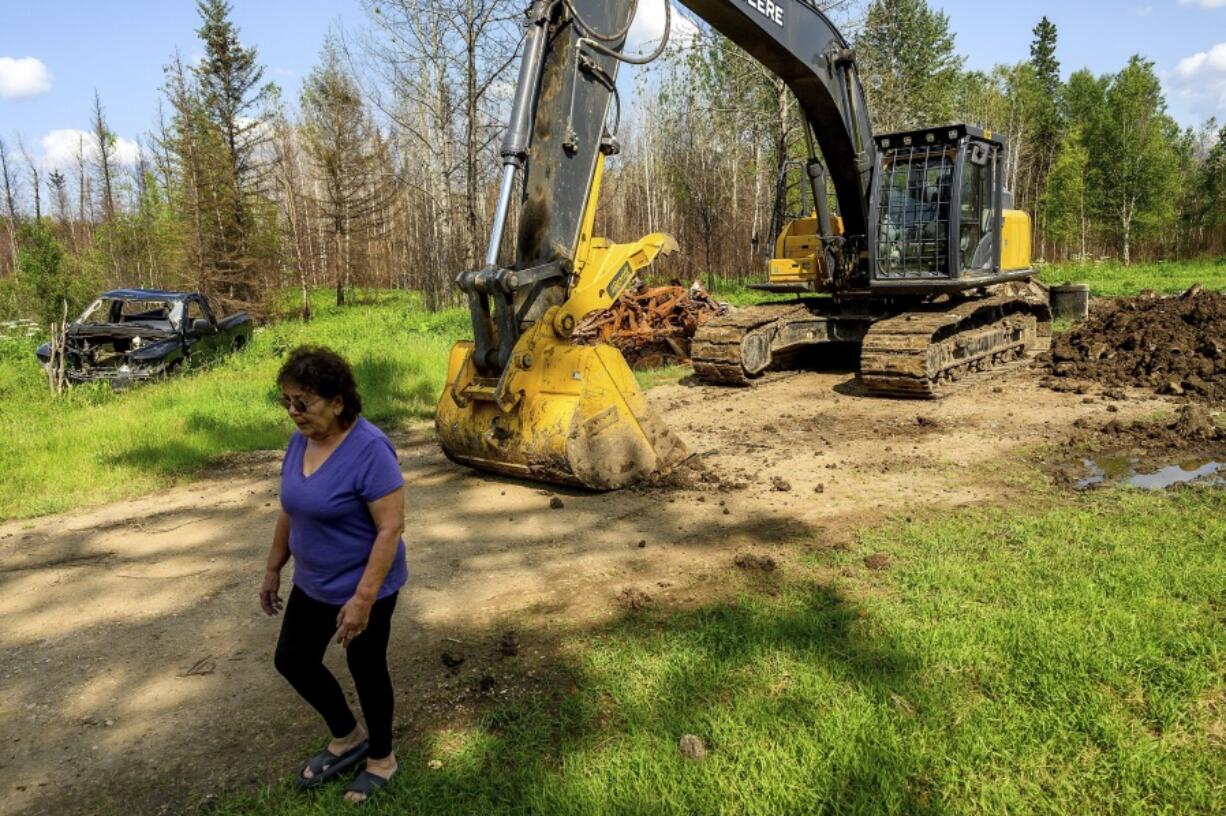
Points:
[(133, 334)]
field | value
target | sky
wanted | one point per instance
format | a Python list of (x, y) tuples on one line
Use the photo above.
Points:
[(54, 54)]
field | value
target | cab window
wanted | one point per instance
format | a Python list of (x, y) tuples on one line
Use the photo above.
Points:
[(977, 207)]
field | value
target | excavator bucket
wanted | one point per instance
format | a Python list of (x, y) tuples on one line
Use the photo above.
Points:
[(559, 413)]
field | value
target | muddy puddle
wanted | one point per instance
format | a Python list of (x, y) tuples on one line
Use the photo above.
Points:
[(1126, 470)]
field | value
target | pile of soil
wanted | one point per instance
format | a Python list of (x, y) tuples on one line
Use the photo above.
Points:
[(1192, 435), (1174, 345), (1192, 427)]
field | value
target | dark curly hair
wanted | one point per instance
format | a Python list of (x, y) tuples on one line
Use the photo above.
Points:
[(324, 372)]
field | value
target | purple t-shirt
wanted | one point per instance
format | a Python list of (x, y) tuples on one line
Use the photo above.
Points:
[(331, 530)]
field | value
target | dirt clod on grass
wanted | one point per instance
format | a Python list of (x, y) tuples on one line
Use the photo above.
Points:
[(633, 598), (753, 561), (878, 561), (508, 644), (1172, 345), (692, 747)]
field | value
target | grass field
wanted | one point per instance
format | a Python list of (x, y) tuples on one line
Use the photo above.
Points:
[(1112, 279), (1062, 660), (96, 445)]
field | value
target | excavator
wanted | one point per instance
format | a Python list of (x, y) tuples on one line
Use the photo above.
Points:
[(921, 261)]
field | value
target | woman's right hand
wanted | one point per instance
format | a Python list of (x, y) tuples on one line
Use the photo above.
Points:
[(270, 598)]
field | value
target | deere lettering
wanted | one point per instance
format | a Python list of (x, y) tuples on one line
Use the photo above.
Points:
[(773, 11)]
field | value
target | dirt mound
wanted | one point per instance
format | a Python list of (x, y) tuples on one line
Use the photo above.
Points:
[(1141, 450), (1174, 345), (1193, 426)]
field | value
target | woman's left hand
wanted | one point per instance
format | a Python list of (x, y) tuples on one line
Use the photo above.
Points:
[(351, 620)]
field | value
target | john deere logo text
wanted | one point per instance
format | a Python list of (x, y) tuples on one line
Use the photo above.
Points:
[(772, 11), (619, 281)]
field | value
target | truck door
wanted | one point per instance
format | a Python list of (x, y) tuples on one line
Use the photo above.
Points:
[(201, 332)]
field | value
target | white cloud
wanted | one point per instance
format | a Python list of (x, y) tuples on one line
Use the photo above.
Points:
[(1200, 80), (23, 78), (648, 27), (60, 149), (1212, 61), (1209, 4)]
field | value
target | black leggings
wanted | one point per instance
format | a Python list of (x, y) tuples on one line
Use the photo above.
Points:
[(306, 630)]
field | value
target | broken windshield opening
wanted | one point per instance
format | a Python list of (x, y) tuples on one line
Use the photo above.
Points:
[(160, 314)]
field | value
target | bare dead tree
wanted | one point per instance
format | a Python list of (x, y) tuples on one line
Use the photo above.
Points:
[(36, 185), (8, 179), (104, 143)]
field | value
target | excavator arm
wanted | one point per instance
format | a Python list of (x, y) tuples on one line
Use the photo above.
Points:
[(801, 46), (520, 397)]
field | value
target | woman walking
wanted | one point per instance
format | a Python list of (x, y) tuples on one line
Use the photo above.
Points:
[(342, 515)]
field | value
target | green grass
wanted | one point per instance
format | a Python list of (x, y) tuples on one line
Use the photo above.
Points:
[(1066, 660), (96, 445), (1113, 279), (666, 375)]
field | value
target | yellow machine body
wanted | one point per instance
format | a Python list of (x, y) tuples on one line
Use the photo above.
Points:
[(798, 251), (1015, 241), (559, 412)]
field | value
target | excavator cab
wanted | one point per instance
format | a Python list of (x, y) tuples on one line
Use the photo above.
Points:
[(938, 198)]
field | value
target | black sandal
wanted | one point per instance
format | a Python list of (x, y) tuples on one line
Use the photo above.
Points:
[(367, 784), (326, 765)]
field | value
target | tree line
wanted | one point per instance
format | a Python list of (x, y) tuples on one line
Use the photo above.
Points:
[(382, 172)]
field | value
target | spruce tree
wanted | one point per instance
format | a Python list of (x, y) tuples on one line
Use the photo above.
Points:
[(1047, 72), (234, 104), (229, 77), (1043, 56), (1047, 124)]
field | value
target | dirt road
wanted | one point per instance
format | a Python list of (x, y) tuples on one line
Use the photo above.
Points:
[(135, 667)]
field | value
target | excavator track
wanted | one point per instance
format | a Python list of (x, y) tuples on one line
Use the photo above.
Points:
[(735, 348), (927, 354)]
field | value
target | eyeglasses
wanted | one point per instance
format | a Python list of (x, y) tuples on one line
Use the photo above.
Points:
[(299, 405)]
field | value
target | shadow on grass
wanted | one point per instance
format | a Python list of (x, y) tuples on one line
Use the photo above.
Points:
[(395, 392), (600, 734)]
